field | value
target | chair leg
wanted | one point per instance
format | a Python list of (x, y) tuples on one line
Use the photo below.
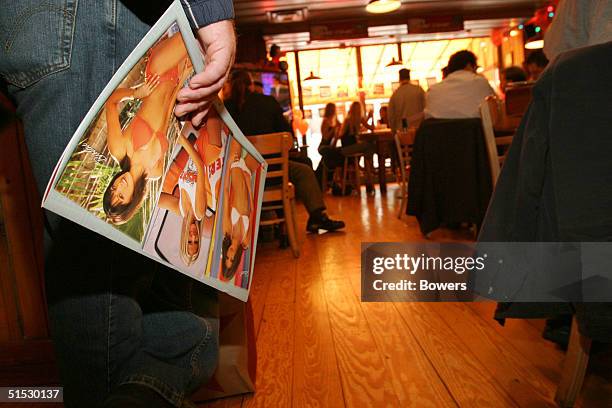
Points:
[(289, 208), (403, 201), (357, 175), (369, 170), (324, 183), (344, 174), (574, 368)]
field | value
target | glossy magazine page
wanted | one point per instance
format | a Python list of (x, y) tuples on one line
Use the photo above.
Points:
[(136, 174)]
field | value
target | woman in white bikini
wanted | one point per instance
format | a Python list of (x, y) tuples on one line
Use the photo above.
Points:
[(237, 210), (198, 185)]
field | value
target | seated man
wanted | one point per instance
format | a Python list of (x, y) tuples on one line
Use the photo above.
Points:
[(511, 75), (258, 114), (460, 94)]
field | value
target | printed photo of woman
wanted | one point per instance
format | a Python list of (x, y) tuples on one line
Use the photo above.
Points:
[(238, 210), (198, 187), (140, 148), (116, 170), (184, 219)]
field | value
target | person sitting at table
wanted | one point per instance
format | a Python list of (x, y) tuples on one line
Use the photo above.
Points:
[(535, 64), (407, 102), (257, 114), (331, 156), (510, 75), (460, 94), (353, 125), (384, 117)]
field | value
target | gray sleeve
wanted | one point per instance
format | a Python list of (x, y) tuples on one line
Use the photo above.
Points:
[(204, 12)]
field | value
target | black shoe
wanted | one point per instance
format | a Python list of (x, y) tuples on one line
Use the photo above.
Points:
[(324, 224), (557, 330)]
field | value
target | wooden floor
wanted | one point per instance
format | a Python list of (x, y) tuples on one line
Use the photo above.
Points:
[(319, 346)]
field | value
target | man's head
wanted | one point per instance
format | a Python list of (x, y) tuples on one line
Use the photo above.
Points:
[(274, 51), (404, 75), (258, 87), (512, 74), (462, 60), (535, 64), (444, 72), (240, 84)]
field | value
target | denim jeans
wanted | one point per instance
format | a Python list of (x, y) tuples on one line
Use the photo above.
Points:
[(116, 317)]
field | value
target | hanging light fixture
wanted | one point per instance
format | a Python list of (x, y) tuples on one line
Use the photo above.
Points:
[(534, 43), (394, 66), (312, 77), (383, 6), (395, 63), (312, 80)]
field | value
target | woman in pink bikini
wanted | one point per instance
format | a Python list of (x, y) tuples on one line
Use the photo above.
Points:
[(141, 147)]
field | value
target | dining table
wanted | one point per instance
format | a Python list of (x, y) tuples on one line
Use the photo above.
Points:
[(382, 138)]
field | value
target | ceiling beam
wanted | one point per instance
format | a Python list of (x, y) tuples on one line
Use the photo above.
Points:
[(377, 20)]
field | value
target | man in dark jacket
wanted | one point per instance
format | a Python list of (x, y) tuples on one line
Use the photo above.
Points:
[(554, 186), (258, 114)]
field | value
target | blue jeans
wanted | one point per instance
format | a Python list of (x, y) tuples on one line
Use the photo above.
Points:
[(116, 317)]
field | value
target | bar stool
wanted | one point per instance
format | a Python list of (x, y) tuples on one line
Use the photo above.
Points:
[(351, 172)]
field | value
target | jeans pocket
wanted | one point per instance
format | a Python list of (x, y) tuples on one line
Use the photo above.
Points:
[(35, 39)]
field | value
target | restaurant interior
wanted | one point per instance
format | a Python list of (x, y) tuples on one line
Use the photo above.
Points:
[(312, 341)]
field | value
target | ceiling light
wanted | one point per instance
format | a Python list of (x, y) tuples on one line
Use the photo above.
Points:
[(287, 16), (534, 44), (383, 6)]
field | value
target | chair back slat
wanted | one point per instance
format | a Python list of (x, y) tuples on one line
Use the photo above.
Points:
[(517, 99), (271, 143), (274, 147), (489, 135)]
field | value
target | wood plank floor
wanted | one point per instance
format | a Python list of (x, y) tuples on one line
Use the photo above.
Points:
[(319, 346)]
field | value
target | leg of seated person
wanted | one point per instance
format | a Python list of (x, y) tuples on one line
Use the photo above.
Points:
[(302, 159), (332, 156), (307, 189), (309, 192), (104, 337), (94, 286), (367, 149)]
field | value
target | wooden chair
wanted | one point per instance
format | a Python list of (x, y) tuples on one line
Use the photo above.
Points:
[(574, 368), (403, 142), (490, 115), (26, 350), (518, 98), (487, 129), (577, 355), (279, 193)]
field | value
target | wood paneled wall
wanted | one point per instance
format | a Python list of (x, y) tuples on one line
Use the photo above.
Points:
[(26, 353)]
